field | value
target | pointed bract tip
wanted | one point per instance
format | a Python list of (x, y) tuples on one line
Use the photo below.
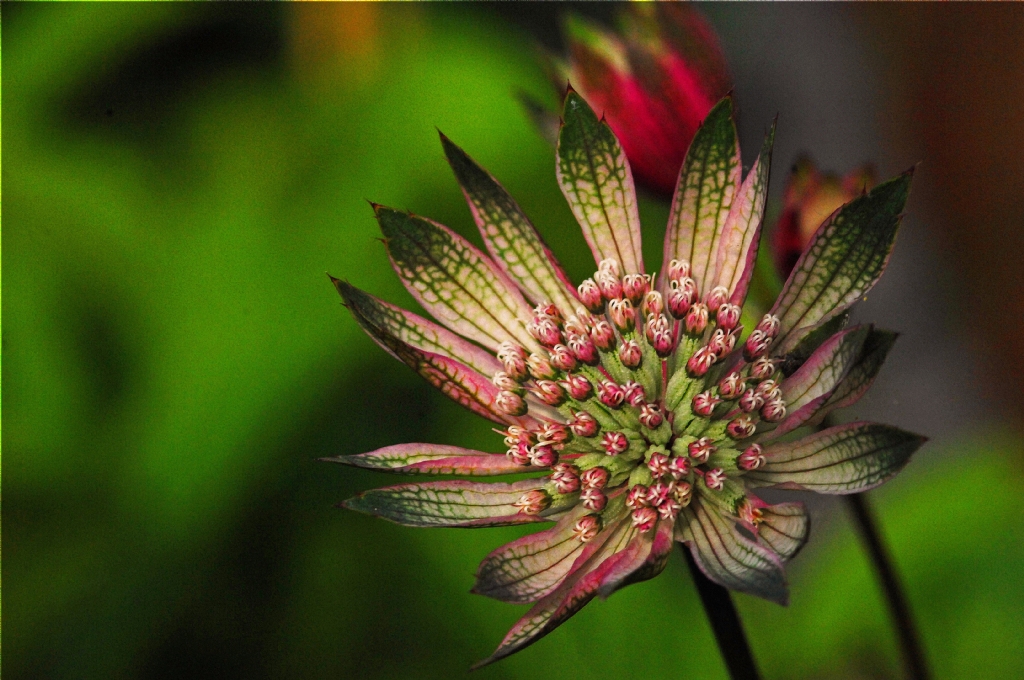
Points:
[(569, 89)]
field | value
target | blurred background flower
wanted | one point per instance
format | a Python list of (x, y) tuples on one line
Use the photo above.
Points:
[(654, 79), (179, 178)]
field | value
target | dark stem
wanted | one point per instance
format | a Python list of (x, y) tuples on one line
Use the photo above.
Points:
[(899, 609), (725, 622)]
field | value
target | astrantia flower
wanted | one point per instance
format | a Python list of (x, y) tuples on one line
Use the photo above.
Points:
[(809, 199), (640, 409), (655, 80)]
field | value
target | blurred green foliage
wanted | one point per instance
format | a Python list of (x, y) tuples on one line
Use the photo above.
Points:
[(177, 181)]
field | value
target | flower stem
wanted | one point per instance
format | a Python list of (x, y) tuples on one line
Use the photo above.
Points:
[(725, 622), (899, 608)]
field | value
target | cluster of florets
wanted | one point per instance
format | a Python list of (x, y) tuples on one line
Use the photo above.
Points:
[(606, 370)]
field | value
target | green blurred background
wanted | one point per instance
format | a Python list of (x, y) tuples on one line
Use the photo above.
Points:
[(179, 178)]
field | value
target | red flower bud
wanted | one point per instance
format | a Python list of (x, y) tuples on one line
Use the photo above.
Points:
[(587, 528), (590, 296), (583, 424), (751, 459), (579, 387), (630, 354), (644, 519), (715, 479), (658, 465), (594, 478), (614, 443), (697, 319), (704, 404), (603, 335)]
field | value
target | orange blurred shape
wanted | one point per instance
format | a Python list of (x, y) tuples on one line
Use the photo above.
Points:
[(331, 36), (811, 196)]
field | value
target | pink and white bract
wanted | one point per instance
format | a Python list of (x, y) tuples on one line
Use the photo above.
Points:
[(643, 410)]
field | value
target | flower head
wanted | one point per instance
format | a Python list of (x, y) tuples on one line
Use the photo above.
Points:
[(655, 79), (647, 438)]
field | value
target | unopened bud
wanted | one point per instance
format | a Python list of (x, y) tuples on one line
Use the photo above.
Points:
[(653, 304), (510, 403), (741, 427), (751, 401), (644, 519), (576, 326), (545, 331), (696, 319), (658, 465), (584, 349), (519, 454), (651, 416), (762, 368), (769, 390), (543, 455), (678, 269), (593, 499), (728, 316), (611, 394), (701, 360), (715, 479), (669, 508), (751, 458), (658, 493), (515, 434), (634, 287), (610, 285), (679, 467), (682, 493), (721, 343), (630, 354), (583, 424), (682, 294), (594, 478), (513, 359), (550, 392), (540, 367), (718, 296), (590, 296), (562, 358), (579, 387), (773, 411), (609, 265), (704, 404), (603, 335), (565, 478), (757, 344), (553, 433), (634, 393), (636, 497), (503, 381), (587, 528), (731, 386), (655, 324), (614, 443), (701, 449), (622, 314), (769, 325), (532, 502), (663, 343)]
